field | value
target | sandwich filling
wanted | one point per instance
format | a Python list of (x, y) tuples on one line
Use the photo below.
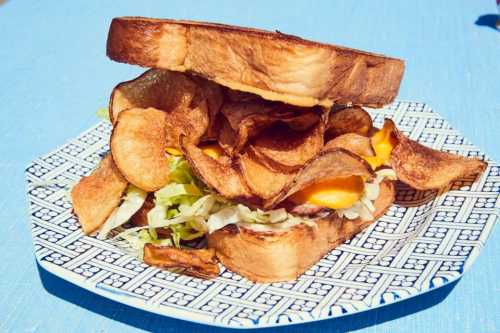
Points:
[(188, 209)]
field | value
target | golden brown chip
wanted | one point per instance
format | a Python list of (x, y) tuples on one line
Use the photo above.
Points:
[(96, 196), (138, 146), (424, 168), (332, 163), (200, 263), (227, 136), (157, 88), (191, 102), (348, 120), (262, 181), (286, 149), (358, 144), (218, 174), (248, 119), (192, 122), (245, 120), (212, 94)]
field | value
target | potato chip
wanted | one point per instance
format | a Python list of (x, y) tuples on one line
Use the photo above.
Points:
[(212, 94), (157, 88), (288, 150), (355, 143), (262, 181), (191, 102), (138, 145), (348, 120), (330, 164), (96, 196), (193, 122), (218, 174), (227, 136), (248, 119), (424, 168), (200, 263)]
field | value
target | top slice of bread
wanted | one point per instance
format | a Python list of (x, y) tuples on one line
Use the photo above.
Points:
[(271, 64)]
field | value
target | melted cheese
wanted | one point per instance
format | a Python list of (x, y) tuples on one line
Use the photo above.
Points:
[(382, 142), (173, 151), (213, 150), (335, 193)]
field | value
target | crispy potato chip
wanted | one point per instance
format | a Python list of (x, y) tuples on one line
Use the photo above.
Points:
[(96, 196), (330, 164), (157, 88), (138, 146), (424, 168), (192, 122), (212, 94), (200, 263), (358, 144), (248, 119), (288, 150), (191, 102), (262, 181), (218, 174), (227, 136), (348, 120)]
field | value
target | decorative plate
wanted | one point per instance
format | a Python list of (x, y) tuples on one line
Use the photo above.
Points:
[(426, 240)]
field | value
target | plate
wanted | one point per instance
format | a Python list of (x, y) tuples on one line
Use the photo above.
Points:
[(427, 239)]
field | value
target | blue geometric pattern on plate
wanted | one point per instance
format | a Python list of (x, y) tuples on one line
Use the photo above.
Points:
[(426, 240)]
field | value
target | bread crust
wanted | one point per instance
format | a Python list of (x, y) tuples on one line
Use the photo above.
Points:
[(271, 64), (283, 256)]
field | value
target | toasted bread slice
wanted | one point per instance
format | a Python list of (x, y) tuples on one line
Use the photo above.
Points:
[(283, 256), (271, 64)]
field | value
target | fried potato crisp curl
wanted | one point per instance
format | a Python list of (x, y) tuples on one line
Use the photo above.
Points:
[(262, 181), (245, 120), (425, 168), (348, 120), (355, 143), (287, 150), (96, 196), (192, 103), (219, 174), (138, 145), (200, 263)]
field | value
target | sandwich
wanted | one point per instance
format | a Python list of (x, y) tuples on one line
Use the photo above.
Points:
[(248, 148)]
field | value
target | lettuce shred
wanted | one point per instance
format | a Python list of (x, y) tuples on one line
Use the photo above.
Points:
[(103, 114), (132, 202)]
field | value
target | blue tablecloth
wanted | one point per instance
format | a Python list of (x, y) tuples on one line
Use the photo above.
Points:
[(54, 75)]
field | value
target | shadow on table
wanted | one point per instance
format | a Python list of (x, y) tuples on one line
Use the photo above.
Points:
[(156, 323), (488, 20)]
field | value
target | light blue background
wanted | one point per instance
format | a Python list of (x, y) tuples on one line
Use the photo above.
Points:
[(54, 75)]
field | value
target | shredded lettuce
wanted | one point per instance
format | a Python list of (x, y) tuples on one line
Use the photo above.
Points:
[(132, 202), (184, 231), (138, 237), (103, 114), (242, 214), (180, 171), (173, 194)]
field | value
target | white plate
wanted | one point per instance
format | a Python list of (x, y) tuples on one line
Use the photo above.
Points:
[(426, 240)]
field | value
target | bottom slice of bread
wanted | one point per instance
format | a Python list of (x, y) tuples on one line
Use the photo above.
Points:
[(284, 255)]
